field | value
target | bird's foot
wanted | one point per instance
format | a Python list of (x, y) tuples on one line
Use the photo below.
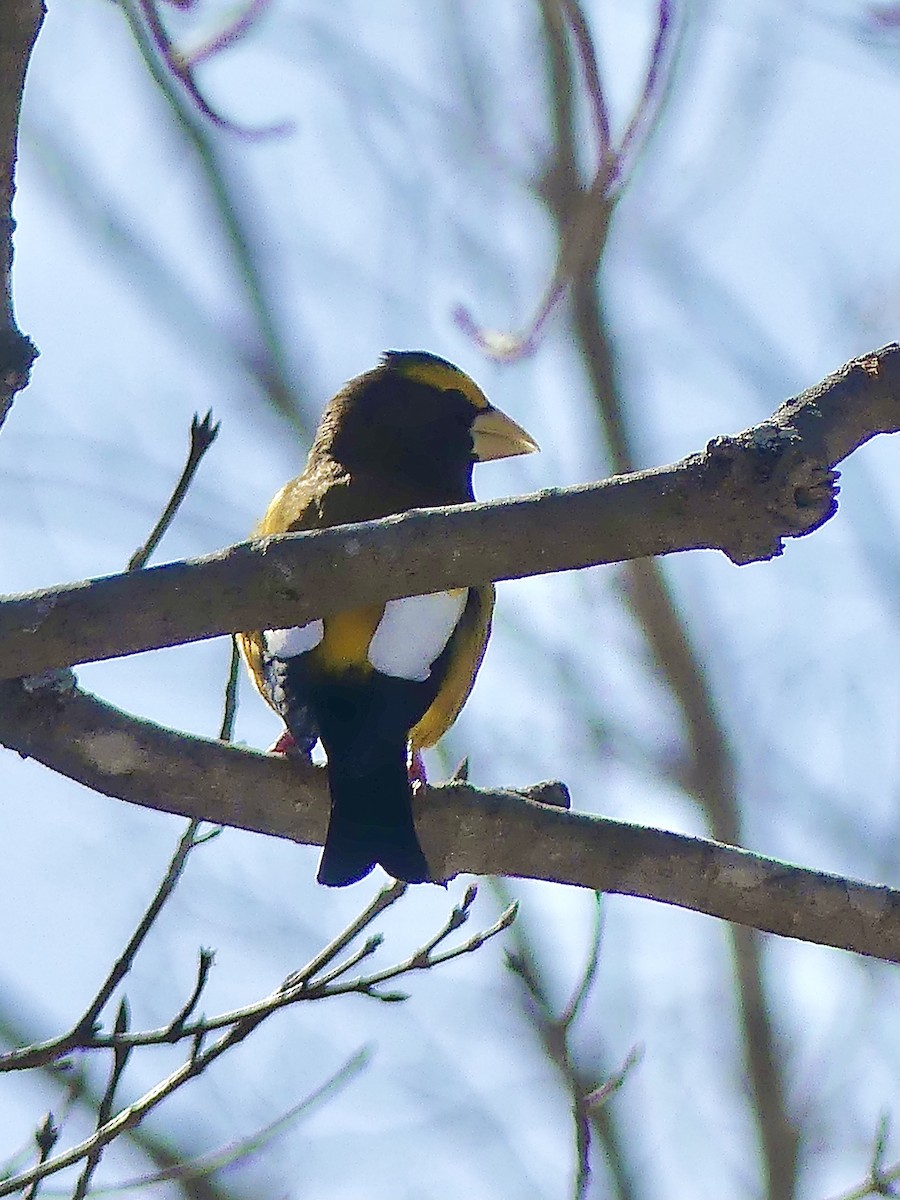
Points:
[(284, 745)]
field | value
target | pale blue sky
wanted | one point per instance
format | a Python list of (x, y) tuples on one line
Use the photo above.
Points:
[(755, 251)]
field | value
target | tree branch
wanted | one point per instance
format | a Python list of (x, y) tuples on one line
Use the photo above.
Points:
[(462, 828), (237, 1026), (20, 22), (742, 495)]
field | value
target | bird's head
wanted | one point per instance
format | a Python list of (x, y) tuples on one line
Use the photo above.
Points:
[(420, 416)]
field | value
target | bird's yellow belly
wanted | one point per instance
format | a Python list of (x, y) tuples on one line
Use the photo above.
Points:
[(345, 645)]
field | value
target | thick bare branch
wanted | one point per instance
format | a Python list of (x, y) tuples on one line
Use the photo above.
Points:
[(743, 495), (462, 828), (20, 22)]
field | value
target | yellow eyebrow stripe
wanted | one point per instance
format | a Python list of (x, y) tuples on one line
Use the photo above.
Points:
[(445, 378)]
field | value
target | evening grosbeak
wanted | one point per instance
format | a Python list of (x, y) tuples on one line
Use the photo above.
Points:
[(379, 683)]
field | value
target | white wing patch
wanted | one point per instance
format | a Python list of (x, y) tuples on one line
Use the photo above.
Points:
[(287, 643), (412, 633)]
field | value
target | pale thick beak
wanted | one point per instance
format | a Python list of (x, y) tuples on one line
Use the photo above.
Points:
[(495, 435)]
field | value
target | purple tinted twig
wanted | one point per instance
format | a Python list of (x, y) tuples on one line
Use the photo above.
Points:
[(182, 67), (228, 36), (642, 115), (583, 237)]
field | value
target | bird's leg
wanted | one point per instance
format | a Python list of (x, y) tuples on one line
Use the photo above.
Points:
[(415, 766)]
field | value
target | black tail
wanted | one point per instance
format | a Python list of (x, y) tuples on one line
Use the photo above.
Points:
[(371, 821)]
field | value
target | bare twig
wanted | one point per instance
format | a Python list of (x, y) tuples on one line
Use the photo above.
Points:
[(233, 1153), (204, 965), (229, 710), (880, 1179), (475, 942), (182, 66), (81, 1092), (227, 36), (581, 34), (85, 1028), (583, 233), (587, 1098), (45, 1138), (710, 776), (646, 110), (610, 1086), (366, 950), (383, 900), (237, 1026), (573, 1008), (585, 1109), (104, 1109), (297, 987), (123, 1120), (203, 434), (189, 840), (267, 357)]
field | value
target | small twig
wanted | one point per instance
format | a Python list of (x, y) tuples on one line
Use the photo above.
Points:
[(203, 434), (242, 1022), (202, 838), (574, 15), (599, 1095), (182, 66), (582, 1120), (123, 964), (584, 232), (643, 110), (226, 731), (126, 1119), (204, 965), (83, 1033), (583, 1106), (880, 1179), (365, 951), (385, 898), (233, 1153), (458, 917), (265, 356), (416, 962), (298, 987), (586, 982), (227, 36), (46, 1138), (105, 1107), (555, 1032), (21, 24)]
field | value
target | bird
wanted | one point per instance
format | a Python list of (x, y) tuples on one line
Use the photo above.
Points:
[(378, 684)]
